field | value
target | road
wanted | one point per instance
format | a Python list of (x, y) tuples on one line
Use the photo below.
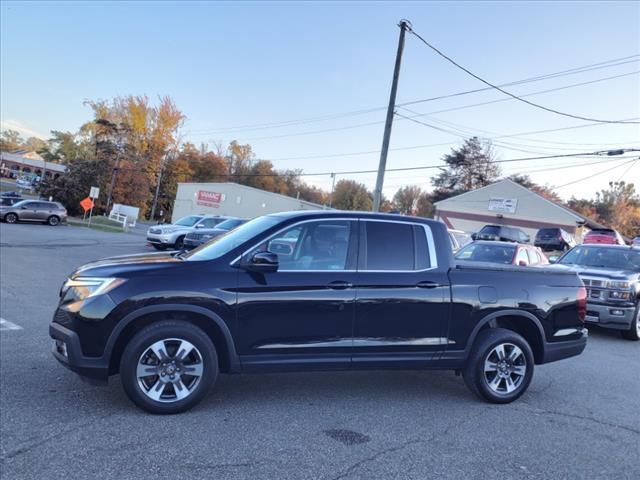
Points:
[(579, 419)]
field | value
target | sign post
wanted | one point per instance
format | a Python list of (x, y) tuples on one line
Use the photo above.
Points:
[(87, 205), (94, 192)]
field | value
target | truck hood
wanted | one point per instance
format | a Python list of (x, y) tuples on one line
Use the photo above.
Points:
[(114, 266), (605, 272)]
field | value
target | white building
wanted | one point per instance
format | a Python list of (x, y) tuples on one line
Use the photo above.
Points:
[(234, 200), (509, 203)]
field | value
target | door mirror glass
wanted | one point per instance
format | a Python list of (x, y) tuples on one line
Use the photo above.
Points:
[(263, 262)]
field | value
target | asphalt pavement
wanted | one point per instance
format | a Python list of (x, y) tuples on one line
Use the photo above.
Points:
[(579, 419)]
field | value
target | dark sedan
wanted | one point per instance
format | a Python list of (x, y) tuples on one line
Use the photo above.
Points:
[(203, 235)]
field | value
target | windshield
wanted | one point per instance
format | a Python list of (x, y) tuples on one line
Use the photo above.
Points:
[(21, 203), (484, 252), (491, 229), (229, 224), (606, 257), (227, 242), (189, 221)]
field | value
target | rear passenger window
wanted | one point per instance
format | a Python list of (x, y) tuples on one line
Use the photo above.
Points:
[(393, 246)]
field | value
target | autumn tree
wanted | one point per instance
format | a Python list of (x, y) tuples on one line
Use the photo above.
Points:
[(351, 195), (406, 198), (424, 206), (10, 140)]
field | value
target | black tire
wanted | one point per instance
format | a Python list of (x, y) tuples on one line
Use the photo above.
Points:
[(633, 333), (159, 247), (483, 349), (139, 345), (53, 220), (179, 243), (11, 218)]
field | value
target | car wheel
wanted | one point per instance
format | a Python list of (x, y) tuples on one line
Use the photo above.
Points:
[(500, 366), (11, 218), (168, 367), (179, 243), (159, 247), (53, 220), (634, 331)]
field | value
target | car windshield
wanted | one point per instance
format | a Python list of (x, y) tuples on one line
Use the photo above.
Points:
[(609, 233), (227, 242), (606, 257), (492, 229), (484, 252), (21, 203), (229, 224), (189, 221)]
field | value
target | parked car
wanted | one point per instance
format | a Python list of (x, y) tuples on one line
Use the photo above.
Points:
[(52, 213), (458, 239), (611, 274), (501, 233), (7, 201), (198, 237), (550, 239), (507, 253), (607, 236), (11, 194), (162, 237), (636, 241), (24, 184), (169, 323)]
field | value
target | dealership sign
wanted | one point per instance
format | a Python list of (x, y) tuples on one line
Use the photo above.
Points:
[(503, 205), (209, 199)]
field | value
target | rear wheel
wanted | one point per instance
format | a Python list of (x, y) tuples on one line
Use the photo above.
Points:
[(168, 367), (53, 220), (500, 366), (634, 330), (11, 218), (159, 247)]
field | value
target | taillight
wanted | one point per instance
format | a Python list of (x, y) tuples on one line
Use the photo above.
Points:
[(582, 303)]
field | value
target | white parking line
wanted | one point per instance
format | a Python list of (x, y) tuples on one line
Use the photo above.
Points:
[(7, 325)]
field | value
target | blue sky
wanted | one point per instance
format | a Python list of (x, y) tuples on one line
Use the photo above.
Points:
[(235, 64)]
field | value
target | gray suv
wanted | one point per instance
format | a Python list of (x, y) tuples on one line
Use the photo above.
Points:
[(162, 237), (41, 211)]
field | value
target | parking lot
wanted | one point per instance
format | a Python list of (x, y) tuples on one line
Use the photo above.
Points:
[(579, 419)]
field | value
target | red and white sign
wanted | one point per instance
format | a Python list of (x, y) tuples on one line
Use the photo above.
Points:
[(209, 199)]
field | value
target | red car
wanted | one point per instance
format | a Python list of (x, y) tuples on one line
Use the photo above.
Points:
[(608, 236), (507, 253)]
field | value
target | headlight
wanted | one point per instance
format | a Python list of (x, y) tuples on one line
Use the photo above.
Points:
[(84, 287), (621, 285), (618, 295), (206, 237)]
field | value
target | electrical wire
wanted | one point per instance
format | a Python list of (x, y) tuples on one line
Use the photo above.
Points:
[(496, 87)]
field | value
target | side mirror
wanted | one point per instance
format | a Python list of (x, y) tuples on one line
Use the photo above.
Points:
[(522, 263), (200, 225), (553, 259), (263, 262), (473, 236)]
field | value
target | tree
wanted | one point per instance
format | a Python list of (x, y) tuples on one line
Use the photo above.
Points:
[(351, 195), (10, 140), (424, 206), (468, 167), (406, 199)]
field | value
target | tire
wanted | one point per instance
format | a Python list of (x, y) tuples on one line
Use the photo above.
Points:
[(485, 349), (179, 243), (159, 247), (169, 388), (11, 218), (53, 221), (634, 331)]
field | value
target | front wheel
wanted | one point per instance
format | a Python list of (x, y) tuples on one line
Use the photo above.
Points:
[(634, 330), (168, 367), (500, 366), (179, 243), (11, 218)]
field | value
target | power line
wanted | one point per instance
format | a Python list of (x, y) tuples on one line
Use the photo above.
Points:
[(594, 175), (300, 121), (515, 97)]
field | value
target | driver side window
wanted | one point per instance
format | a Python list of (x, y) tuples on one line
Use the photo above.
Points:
[(321, 245)]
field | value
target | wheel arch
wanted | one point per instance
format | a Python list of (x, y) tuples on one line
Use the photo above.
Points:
[(523, 323), (208, 321)]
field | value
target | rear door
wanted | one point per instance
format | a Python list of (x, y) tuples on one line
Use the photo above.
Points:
[(402, 295)]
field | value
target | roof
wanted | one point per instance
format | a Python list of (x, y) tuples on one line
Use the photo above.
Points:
[(353, 214), (31, 162), (576, 216)]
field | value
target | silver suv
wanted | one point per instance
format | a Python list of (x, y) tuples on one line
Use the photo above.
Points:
[(41, 211), (162, 237)]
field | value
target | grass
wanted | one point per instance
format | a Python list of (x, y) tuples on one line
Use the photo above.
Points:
[(97, 223)]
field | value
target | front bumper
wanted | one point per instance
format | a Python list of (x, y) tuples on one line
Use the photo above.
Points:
[(167, 239), (93, 369), (554, 351), (610, 316)]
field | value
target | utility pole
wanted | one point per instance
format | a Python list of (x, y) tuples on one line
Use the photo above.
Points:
[(333, 184), (377, 194)]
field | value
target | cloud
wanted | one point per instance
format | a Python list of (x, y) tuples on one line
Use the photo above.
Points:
[(21, 128)]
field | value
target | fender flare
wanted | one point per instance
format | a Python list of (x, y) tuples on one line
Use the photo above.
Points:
[(505, 313), (234, 361)]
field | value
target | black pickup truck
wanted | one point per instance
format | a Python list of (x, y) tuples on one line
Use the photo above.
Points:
[(351, 291)]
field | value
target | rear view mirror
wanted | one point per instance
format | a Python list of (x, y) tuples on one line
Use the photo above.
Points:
[(263, 262)]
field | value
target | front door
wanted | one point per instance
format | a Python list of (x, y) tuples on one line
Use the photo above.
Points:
[(29, 211), (303, 313), (402, 296)]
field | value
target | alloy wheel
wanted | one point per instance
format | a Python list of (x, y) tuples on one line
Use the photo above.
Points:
[(169, 370), (505, 368)]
